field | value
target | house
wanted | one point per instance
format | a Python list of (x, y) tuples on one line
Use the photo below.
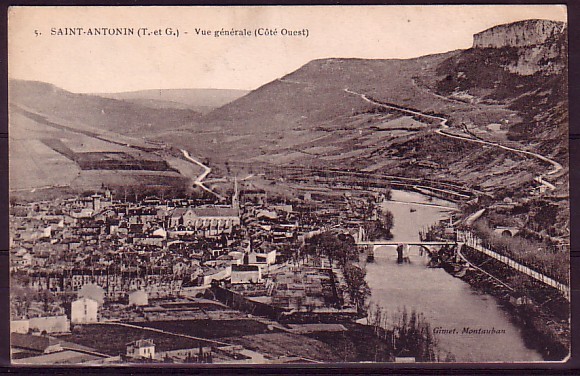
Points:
[(141, 349), (267, 258), (246, 274), (267, 214), (84, 213), (160, 232), (84, 310), (35, 343), (287, 208), (202, 354), (155, 241), (237, 257), (21, 259), (138, 298)]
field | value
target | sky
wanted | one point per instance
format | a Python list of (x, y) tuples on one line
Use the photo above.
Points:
[(107, 64)]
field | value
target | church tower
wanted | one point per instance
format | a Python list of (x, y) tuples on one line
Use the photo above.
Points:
[(236, 195)]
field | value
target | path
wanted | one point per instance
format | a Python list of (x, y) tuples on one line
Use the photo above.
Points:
[(475, 243), (556, 167), (472, 265), (206, 171)]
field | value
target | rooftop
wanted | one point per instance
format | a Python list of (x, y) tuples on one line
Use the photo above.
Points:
[(32, 342), (142, 343)]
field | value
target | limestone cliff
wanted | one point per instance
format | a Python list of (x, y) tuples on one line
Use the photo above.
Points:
[(539, 44), (519, 34)]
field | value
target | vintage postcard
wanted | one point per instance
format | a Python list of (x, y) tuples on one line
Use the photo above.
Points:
[(280, 185)]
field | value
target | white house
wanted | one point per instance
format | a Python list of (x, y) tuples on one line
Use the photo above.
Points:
[(142, 348), (22, 259), (267, 258), (160, 232), (237, 257), (83, 311)]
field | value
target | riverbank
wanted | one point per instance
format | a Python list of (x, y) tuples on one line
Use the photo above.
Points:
[(446, 302), (540, 312)]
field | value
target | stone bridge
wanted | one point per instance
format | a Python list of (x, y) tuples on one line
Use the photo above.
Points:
[(402, 247)]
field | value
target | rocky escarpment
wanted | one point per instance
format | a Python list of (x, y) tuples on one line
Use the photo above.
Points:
[(539, 43), (519, 34)]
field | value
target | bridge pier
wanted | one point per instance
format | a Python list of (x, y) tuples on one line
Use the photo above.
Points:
[(402, 253), (370, 253)]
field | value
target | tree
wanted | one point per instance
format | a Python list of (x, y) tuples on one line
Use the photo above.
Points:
[(545, 215), (378, 222), (331, 246), (357, 286), (387, 193), (21, 300), (386, 219), (47, 298), (412, 336)]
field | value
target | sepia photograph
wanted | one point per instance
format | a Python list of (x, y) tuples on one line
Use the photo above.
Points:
[(282, 185)]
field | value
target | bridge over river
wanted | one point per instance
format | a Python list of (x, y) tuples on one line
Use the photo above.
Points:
[(433, 248)]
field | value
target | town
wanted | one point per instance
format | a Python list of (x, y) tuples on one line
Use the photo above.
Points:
[(95, 259)]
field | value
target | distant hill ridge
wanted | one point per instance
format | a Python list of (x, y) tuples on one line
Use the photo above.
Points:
[(200, 100), (91, 111)]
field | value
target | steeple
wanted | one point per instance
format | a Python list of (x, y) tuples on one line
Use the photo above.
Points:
[(235, 197)]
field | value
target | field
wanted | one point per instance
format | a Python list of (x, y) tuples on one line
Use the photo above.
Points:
[(112, 339), (184, 167), (288, 344), (34, 165), (45, 155), (210, 328), (356, 344)]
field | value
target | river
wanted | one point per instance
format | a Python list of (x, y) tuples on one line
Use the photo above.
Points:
[(447, 302)]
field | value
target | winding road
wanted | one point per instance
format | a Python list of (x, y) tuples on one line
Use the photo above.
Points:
[(556, 167), (206, 171)]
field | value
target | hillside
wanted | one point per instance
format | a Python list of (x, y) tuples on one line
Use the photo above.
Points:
[(67, 143), (308, 118), (199, 100), (294, 111), (501, 90), (94, 112), (529, 79)]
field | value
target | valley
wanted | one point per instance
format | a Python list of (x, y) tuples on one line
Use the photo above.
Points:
[(400, 210)]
